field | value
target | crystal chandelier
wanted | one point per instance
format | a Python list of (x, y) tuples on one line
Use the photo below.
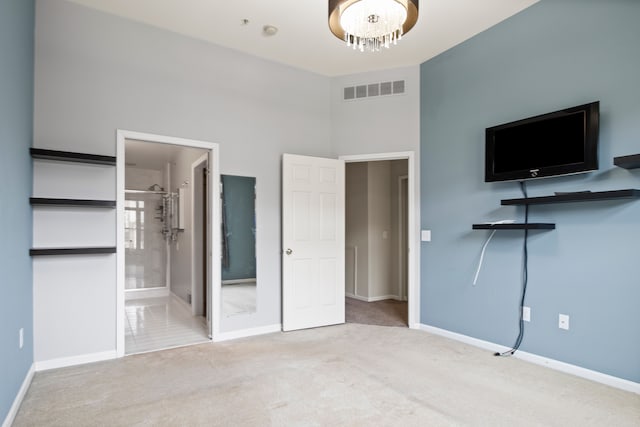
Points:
[(371, 24)]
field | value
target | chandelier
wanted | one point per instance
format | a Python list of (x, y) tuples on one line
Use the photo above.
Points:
[(371, 24)]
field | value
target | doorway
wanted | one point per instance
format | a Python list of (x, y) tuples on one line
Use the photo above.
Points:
[(164, 227), (301, 198), (380, 260)]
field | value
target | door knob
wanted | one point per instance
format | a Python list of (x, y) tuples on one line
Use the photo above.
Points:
[(288, 251)]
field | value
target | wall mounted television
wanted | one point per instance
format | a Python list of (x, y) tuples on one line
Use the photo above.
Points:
[(559, 143)]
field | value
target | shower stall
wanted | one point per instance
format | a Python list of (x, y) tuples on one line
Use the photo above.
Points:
[(151, 223)]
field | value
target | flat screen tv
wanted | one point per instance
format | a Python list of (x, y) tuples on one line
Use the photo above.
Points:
[(559, 143)]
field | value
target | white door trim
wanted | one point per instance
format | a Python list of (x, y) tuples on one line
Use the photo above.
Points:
[(214, 232), (413, 275)]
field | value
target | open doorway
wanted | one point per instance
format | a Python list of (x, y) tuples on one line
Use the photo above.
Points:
[(165, 274), (376, 256)]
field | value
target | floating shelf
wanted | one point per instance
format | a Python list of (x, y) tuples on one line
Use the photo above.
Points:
[(627, 162), (40, 201), (72, 251), (515, 226), (575, 197), (68, 156)]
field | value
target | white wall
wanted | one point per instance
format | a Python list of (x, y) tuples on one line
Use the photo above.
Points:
[(379, 225), (142, 179), (379, 124), (181, 247), (96, 73), (398, 169), (70, 291), (357, 230)]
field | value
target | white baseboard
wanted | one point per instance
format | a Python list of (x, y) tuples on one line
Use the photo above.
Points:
[(243, 333), (557, 365), (13, 411), (373, 299), (238, 281), (181, 302), (145, 293), (75, 360)]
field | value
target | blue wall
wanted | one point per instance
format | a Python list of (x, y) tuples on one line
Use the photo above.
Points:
[(16, 124), (239, 211), (550, 56)]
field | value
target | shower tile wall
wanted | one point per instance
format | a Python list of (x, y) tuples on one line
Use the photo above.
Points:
[(145, 248)]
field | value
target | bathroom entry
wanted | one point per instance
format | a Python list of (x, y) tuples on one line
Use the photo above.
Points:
[(165, 224)]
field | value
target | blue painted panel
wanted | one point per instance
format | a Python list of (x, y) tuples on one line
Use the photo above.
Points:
[(239, 248), (16, 123), (551, 56)]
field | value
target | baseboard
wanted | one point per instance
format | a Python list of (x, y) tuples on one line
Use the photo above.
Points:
[(557, 365), (373, 299), (145, 293), (75, 360), (238, 281), (13, 411), (243, 333), (181, 302)]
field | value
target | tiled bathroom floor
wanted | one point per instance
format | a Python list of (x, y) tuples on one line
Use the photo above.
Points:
[(158, 323)]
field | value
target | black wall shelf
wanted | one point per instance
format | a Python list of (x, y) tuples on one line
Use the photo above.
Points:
[(575, 197), (68, 156), (72, 251), (627, 162), (41, 201), (515, 226)]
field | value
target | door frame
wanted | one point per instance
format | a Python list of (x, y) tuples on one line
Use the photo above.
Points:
[(195, 292), (413, 251), (214, 232)]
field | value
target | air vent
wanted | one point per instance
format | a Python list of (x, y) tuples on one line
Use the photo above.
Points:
[(349, 93), (374, 90), (398, 87)]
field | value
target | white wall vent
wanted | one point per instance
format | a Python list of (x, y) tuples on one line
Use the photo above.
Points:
[(375, 89)]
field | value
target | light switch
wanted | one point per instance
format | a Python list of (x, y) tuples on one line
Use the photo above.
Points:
[(425, 235)]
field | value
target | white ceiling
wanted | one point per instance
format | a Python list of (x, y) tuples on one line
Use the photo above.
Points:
[(149, 155), (304, 40)]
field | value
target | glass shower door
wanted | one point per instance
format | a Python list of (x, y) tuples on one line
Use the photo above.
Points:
[(145, 245)]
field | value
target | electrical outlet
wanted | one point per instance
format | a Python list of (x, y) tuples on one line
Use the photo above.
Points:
[(21, 338), (526, 313), (563, 321)]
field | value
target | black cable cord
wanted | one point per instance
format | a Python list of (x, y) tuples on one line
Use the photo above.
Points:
[(525, 275)]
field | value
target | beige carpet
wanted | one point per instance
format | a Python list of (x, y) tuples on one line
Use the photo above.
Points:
[(347, 375), (382, 313)]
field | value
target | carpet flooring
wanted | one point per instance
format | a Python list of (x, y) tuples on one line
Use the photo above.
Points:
[(382, 313), (346, 375)]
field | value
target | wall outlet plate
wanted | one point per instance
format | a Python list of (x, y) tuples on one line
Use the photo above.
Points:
[(526, 313), (563, 321)]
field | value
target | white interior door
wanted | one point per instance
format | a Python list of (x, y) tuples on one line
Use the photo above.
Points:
[(313, 191)]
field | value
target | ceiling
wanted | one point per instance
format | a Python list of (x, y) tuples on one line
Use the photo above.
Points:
[(149, 155), (303, 39)]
